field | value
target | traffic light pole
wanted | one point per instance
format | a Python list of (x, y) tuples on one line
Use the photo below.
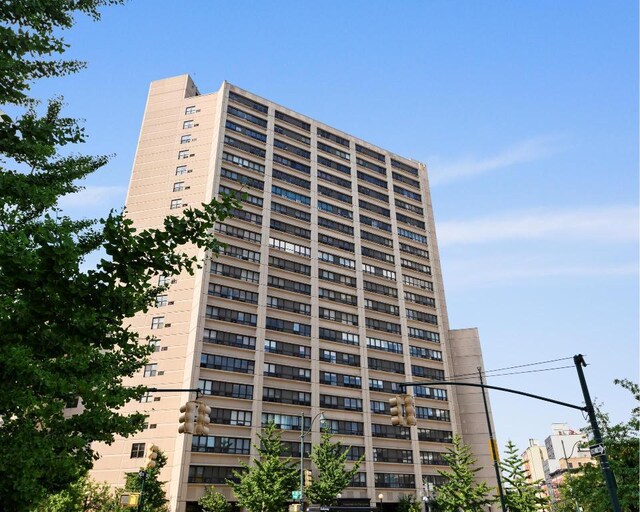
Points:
[(143, 477), (492, 442), (588, 408), (597, 436)]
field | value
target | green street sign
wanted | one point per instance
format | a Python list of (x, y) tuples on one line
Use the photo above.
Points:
[(296, 495)]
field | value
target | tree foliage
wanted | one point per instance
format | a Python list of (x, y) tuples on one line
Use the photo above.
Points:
[(266, 485), (63, 329), (586, 485), (408, 503), (84, 495), (214, 501), (332, 478), (519, 494), (155, 499), (461, 492)]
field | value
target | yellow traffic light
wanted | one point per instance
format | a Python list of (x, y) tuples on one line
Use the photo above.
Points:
[(395, 410), (188, 418), (202, 419), (152, 456), (409, 411), (308, 479)]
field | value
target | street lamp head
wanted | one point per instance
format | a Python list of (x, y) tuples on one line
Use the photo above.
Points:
[(322, 419), (380, 496)]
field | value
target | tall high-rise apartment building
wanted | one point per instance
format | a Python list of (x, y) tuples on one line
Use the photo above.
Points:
[(326, 296)]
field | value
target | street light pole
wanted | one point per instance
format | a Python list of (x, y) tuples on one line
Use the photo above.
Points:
[(303, 434)]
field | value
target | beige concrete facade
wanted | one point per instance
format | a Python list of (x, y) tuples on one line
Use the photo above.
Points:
[(328, 295)]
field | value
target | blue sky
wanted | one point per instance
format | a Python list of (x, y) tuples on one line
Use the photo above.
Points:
[(526, 114)]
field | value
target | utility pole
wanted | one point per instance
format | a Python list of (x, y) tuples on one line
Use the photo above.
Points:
[(492, 442), (597, 436)]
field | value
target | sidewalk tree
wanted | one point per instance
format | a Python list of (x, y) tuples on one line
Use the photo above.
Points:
[(266, 485), (332, 477), (84, 495), (155, 498), (214, 501), (519, 494), (63, 328), (461, 492)]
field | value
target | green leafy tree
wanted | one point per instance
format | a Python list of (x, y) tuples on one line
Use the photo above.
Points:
[(461, 492), (408, 503), (63, 330), (330, 460), (585, 486), (519, 494), (214, 501), (84, 495), (266, 485), (155, 499)]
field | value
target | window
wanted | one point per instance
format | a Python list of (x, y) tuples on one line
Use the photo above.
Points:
[(404, 179), (335, 226), (433, 459), (277, 324), (327, 275), (157, 322), (228, 364), (243, 234), (290, 266), (292, 196), (372, 167), (339, 336), (348, 428), (290, 211), (372, 179), (178, 186), (413, 236), (242, 179), (216, 444), (392, 455), (333, 138), (291, 163), (339, 379), (331, 356), (426, 373), (190, 110), (330, 149), (254, 218), (187, 124), (345, 169), (420, 299), (359, 480), (423, 334), (248, 102), (410, 220), (388, 346), (241, 253), (326, 176), (146, 398), (290, 178), (336, 260), (277, 225), (213, 474), (150, 370), (229, 339), (383, 307), (340, 402), (409, 207), (365, 205), (291, 148), (137, 451), (246, 131), (246, 116), (243, 146), (336, 242), (436, 436), (407, 193), (235, 272), (335, 296), (425, 353), (154, 344), (243, 162), (421, 316), (289, 247), (288, 305), (230, 417), (181, 169), (285, 421), (378, 271), (395, 481), (375, 223), (228, 389), (287, 349), (287, 372), (328, 192), (162, 300), (432, 393), (293, 121), (420, 283), (285, 396), (380, 289), (376, 239), (175, 203), (183, 154), (389, 431), (292, 135), (370, 153), (336, 210), (231, 315), (292, 286), (384, 365), (185, 139), (404, 167)]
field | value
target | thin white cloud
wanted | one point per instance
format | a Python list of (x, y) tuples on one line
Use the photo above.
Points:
[(469, 273), (95, 197), (616, 223), (529, 150)]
